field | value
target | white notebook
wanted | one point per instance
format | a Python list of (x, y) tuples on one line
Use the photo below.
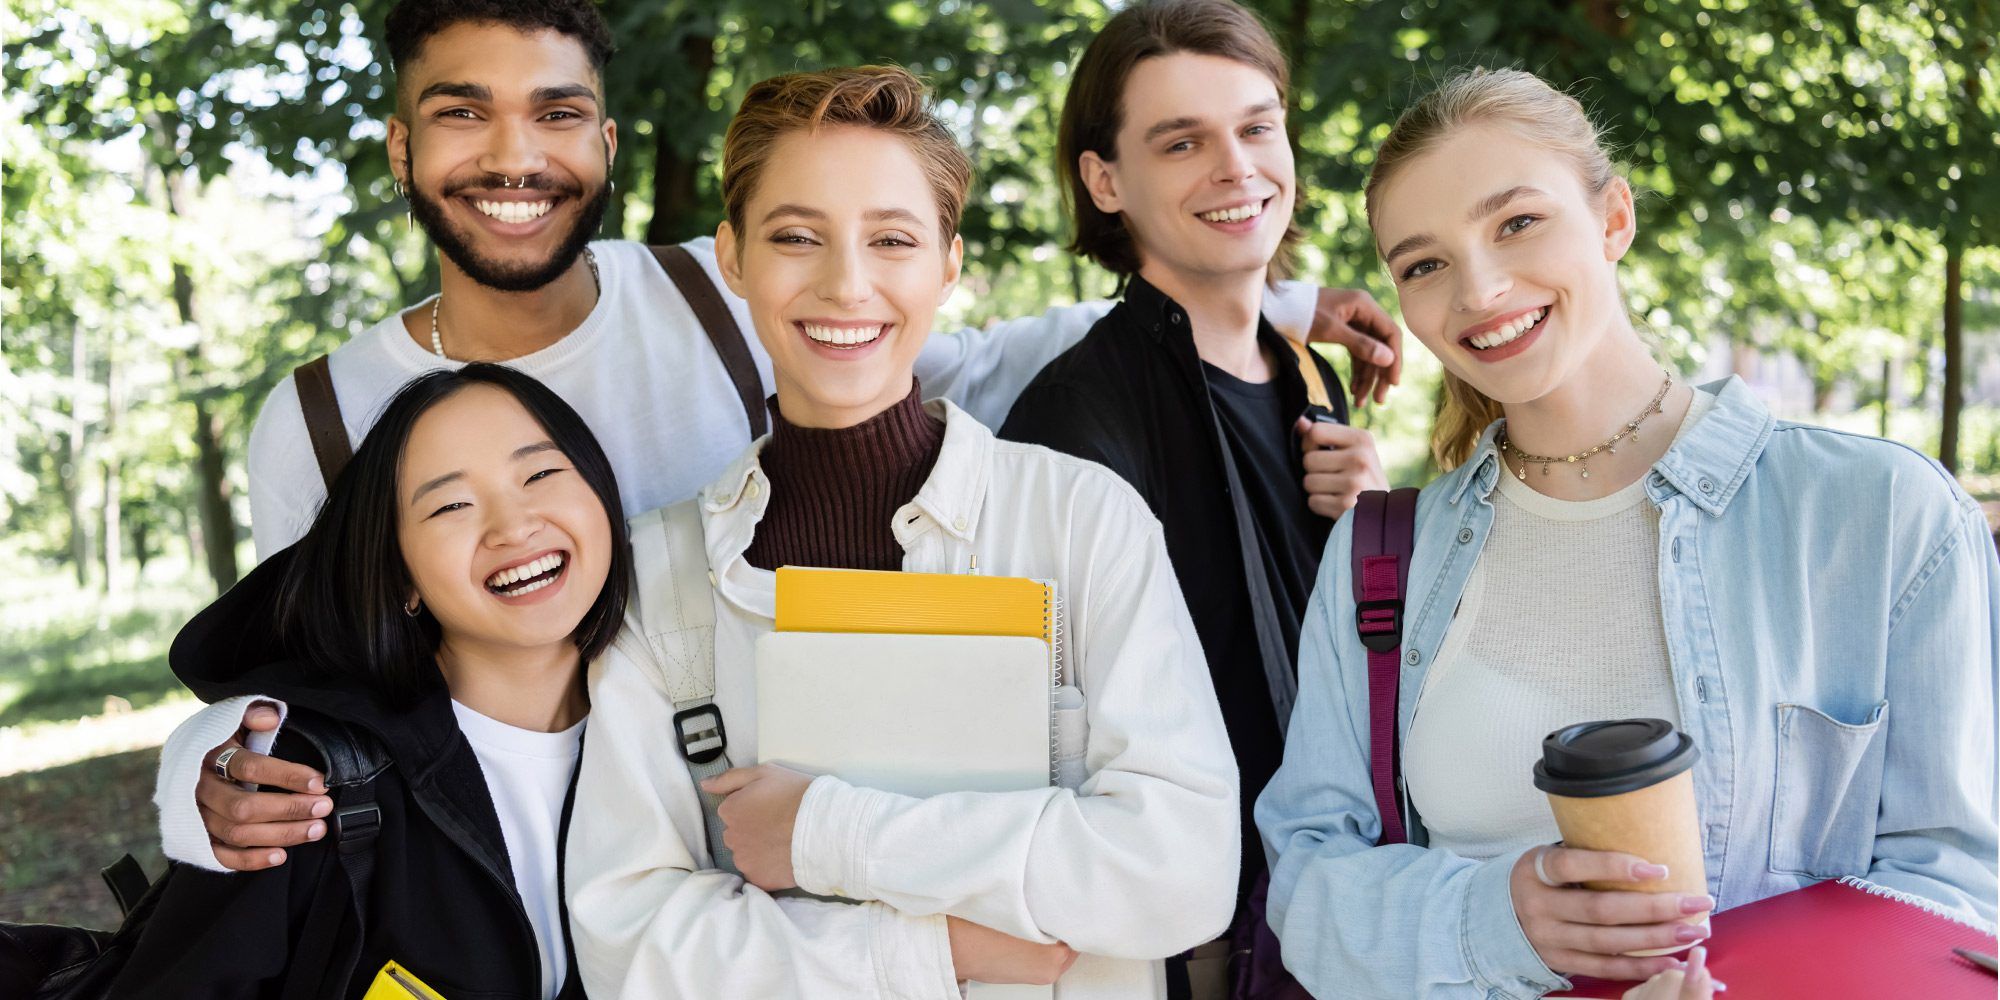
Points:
[(912, 714)]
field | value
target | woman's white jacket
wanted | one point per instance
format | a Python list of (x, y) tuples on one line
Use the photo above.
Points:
[(1131, 858)]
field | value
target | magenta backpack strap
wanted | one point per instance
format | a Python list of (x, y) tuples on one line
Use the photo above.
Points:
[(1384, 535)]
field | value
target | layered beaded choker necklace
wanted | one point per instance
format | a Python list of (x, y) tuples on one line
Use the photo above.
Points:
[(437, 339), (1630, 432)]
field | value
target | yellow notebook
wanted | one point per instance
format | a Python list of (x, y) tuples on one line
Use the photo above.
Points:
[(893, 603), (397, 983), (950, 698)]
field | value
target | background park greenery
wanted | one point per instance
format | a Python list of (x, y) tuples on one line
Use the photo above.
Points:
[(196, 200)]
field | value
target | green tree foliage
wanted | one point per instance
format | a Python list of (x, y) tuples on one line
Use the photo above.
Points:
[(1812, 170), (197, 199), (148, 286)]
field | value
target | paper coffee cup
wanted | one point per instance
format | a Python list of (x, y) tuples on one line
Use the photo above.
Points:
[(1626, 785)]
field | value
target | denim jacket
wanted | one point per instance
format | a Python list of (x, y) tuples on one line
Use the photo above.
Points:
[(1829, 602)]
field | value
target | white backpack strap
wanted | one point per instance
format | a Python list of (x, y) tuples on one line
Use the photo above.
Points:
[(677, 619), (676, 601)]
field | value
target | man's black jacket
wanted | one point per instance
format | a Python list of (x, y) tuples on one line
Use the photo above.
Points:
[(1131, 396), (443, 900)]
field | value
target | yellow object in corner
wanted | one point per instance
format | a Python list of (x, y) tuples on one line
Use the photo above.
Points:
[(397, 983), (852, 600)]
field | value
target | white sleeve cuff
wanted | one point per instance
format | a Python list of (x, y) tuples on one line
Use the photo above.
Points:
[(829, 842), (1290, 306), (913, 954), (182, 837)]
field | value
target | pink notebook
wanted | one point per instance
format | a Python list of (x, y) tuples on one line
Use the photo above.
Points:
[(1836, 941)]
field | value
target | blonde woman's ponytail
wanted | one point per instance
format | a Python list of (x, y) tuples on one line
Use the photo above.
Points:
[(1463, 414)]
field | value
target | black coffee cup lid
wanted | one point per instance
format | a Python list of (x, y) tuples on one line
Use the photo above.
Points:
[(1592, 759)]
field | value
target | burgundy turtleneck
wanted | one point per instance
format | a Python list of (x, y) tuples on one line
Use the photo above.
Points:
[(834, 493)]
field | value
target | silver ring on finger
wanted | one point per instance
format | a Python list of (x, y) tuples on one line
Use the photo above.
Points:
[(1540, 853), (222, 768)]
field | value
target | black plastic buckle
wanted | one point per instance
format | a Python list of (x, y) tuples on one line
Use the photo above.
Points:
[(1380, 634), (706, 739), (356, 827)]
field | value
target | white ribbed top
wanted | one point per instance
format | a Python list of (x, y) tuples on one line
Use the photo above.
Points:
[(1560, 623)]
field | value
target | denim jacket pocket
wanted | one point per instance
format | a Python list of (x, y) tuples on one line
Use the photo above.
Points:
[(1072, 737), (1828, 790)]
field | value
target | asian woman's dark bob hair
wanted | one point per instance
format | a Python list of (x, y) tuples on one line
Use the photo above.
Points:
[(341, 603)]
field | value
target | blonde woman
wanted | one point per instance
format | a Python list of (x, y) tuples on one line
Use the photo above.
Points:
[(843, 195), (1816, 609)]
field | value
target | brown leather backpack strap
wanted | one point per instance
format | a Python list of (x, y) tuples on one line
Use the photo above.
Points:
[(720, 325), (324, 427)]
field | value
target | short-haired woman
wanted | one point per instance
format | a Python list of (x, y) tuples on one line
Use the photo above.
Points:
[(470, 558), (1815, 609), (843, 194)]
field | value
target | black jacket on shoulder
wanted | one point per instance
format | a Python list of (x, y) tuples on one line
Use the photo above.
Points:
[(442, 898)]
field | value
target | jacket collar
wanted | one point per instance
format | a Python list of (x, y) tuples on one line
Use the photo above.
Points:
[(1160, 316), (1708, 465), (1165, 324), (956, 491), (950, 500), (1156, 314), (1712, 461)]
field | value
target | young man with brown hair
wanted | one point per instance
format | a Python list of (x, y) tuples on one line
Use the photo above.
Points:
[(1180, 180)]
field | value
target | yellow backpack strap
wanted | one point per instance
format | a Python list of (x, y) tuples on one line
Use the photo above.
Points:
[(1315, 385)]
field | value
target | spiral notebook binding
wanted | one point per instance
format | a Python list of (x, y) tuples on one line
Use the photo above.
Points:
[(1056, 626), (1930, 906)]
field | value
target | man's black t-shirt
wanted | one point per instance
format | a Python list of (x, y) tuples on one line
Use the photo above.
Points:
[(1290, 537), (1267, 453), (1134, 396)]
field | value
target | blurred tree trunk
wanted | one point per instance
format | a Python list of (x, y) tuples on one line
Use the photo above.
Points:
[(1922, 397), (1824, 382), (1888, 375), (1609, 17), (141, 546), (113, 533), (1955, 237), (187, 528), (1298, 20), (75, 461), (676, 202), (218, 522), (1954, 352)]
